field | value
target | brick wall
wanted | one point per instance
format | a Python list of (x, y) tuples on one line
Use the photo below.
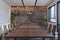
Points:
[(23, 16)]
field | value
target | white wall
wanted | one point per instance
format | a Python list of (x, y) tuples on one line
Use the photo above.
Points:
[(4, 13)]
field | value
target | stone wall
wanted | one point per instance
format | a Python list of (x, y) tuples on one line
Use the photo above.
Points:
[(30, 15)]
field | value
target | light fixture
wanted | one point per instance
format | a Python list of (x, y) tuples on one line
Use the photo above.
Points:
[(28, 11)]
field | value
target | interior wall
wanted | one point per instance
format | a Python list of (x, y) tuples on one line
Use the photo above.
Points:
[(23, 16), (4, 13), (29, 8)]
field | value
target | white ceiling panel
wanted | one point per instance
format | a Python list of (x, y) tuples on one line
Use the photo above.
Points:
[(29, 2), (43, 2), (14, 2)]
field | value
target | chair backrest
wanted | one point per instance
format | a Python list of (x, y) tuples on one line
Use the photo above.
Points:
[(51, 27), (12, 26), (1, 30), (5, 28), (9, 27)]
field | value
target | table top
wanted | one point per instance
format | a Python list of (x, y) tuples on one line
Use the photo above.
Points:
[(29, 26), (29, 30)]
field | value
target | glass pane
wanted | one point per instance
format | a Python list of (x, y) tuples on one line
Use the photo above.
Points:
[(52, 12)]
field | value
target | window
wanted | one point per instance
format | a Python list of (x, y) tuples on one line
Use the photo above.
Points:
[(52, 14)]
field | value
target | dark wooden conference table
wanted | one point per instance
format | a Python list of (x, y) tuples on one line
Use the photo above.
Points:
[(29, 31)]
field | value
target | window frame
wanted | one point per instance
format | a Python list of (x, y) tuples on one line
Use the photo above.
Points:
[(49, 13), (54, 10), (57, 19)]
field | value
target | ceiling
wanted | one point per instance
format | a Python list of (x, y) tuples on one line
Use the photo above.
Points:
[(28, 2)]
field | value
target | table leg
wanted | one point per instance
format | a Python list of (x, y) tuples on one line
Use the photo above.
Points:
[(14, 38), (0, 38), (51, 28), (43, 38)]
